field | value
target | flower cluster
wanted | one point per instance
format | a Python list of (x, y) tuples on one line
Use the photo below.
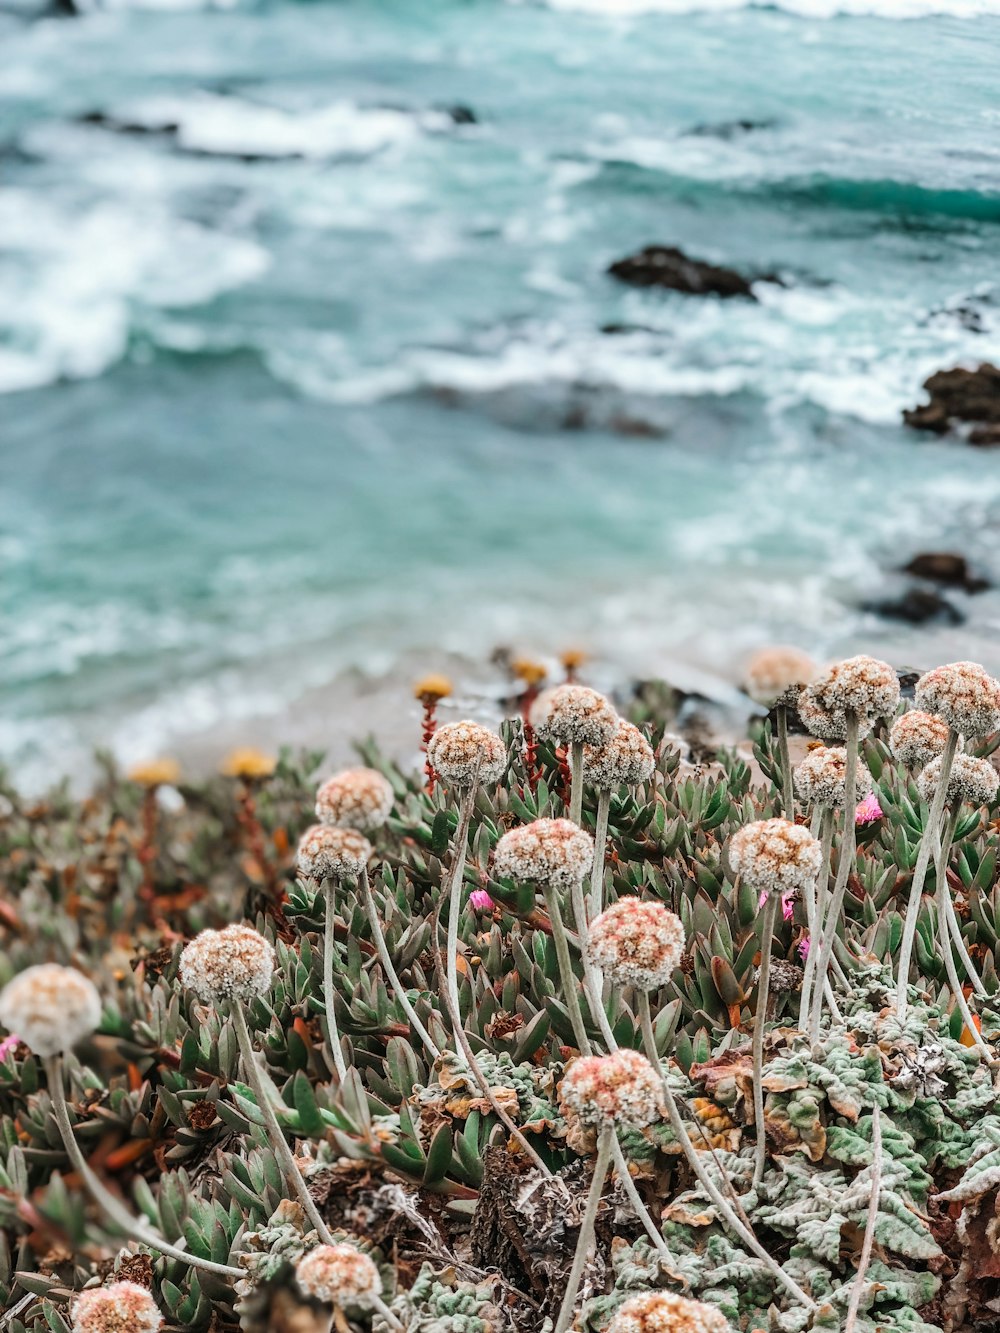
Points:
[(636, 942), (622, 1088), (124, 1307), (462, 753), (50, 1007), (917, 737), (771, 671), (625, 759), (358, 798), (862, 686), (964, 694), (821, 777), (236, 963), (665, 1312), (973, 780), (552, 852), (774, 855), (338, 1275), (328, 852), (828, 726), (572, 714)]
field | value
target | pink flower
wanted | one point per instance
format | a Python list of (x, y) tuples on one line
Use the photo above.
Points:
[(787, 904), (868, 811), (7, 1045), (803, 947), (480, 901)]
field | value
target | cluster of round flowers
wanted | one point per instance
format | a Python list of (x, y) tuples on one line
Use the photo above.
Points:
[(358, 798), (124, 1307), (573, 714), (50, 1008), (328, 852), (338, 1275), (236, 963), (916, 737), (973, 780), (964, 695), (771, 671), (860, 686), (554, 853), (821, 777), (775, 856), (621, 1089), (636, 943), (663, 1312), (462, 753), (625, 759)]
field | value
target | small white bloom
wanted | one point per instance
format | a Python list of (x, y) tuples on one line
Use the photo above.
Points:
[(465, 752), (124, 1307), (964, 694), (338, 1275), (328, 852), (917, 737), (622, 1088), (972, 780), (624, 760), (553, 852), (665, 1312), (636, 942), (774, 855), (821, 777), (232, 964), (50, 1008), (571, 714), (359, 798)]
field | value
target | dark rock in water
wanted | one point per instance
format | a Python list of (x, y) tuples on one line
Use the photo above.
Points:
[(961, 395), (103, 121), (730, 129), (666, 266), (918, 606), (462, 115), (947, 568)]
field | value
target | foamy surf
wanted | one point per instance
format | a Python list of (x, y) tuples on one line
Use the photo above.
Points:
[(809, 9)]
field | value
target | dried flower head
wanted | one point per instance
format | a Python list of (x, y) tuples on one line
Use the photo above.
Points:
[(821, 777), (861, 685), (528, 670), (156, 773), (623, 1088), (774, 855), (124, 1307), (464, 752), (917, 737), (328, 852), (429, 689), (771, 671), (964, 694), (625, 759), (338, 1275), (358, 798), (829, 726), (972, 780), (248, 762), (665, 1312), (572, 714), (636, 942), (552, 852), (231, 964), (50, 1007)]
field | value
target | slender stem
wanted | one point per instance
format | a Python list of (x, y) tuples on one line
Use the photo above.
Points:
[(593, 981), (815, 900), (721, 1203), (866, 1248), (600, 844), (576, 781), (787, 789), (828, 923), (952, 970), (566, 973), (954, 928), (759, 1023), (455, 893), (389, 969), (381, 1309), (333, 1032), (276, 1134), (586, 1229), (641, 1211), (927, 841), (138, 1228)]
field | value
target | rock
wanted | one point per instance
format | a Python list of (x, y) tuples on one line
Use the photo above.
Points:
[(919, 606), (730, 129), (947, 568), (666, 266), (462, 115), (961, 395)]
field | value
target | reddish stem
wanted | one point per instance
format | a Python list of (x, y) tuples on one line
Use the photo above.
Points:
[(429, 727), (147, 844)]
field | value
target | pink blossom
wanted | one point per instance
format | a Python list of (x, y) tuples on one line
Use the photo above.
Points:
[(787, 904), (868, 810), (803, 947), (7, 1045), (481, 901)]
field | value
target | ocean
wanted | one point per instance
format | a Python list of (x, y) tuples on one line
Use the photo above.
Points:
[(310, 363)]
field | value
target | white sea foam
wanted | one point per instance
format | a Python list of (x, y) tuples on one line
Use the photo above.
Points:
[(815, 9)]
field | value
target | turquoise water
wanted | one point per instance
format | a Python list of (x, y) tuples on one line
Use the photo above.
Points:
[(308, 376)]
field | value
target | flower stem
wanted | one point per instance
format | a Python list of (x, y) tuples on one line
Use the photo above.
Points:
[(927, 841), (388, 968), (566, 973), (641, 1211), (329, 945), (586, 1229), (971, 970), (576, 781), (943, 903), (787, 789), (815, 901), (593, 981), (600, 844), (138, 1228), (455, 894), (759, 1023), (276, 1135), (385, 1314), (869, 1241)]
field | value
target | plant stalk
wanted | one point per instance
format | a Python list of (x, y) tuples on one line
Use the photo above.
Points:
[(759, 1023), (566, 973), (600, 845), (787, 786), (390, 971), (586, 1229), (857, 1290), (455, 892), (641, 1211), (332, 1030), (576, 781)]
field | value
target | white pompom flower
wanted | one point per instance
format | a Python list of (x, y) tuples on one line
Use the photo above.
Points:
[(51, 1008), (972, 780), (636, 942), (554, 853), (771, 671), (821, 777), (339, 1275), (236, 963), (573, 714), (621, 1089), (917, 737), (465, 752), (665, 1312), (123, 1307), (964, 694), (862, 686), (358, 798), (625, 759), (328, 852), (775, 856)]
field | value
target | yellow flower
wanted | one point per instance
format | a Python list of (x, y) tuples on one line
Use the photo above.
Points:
[(246, 762), (528, 670), (573, 658), (432, 687), (155, 773)]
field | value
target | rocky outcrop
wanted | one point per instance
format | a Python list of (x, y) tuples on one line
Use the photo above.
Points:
[(945, 568), (666, 266), (918, 606), (961, 397)]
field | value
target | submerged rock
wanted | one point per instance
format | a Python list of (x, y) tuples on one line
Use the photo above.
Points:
[(947, 568), (666, 266), (961, 395), (918, 606)]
